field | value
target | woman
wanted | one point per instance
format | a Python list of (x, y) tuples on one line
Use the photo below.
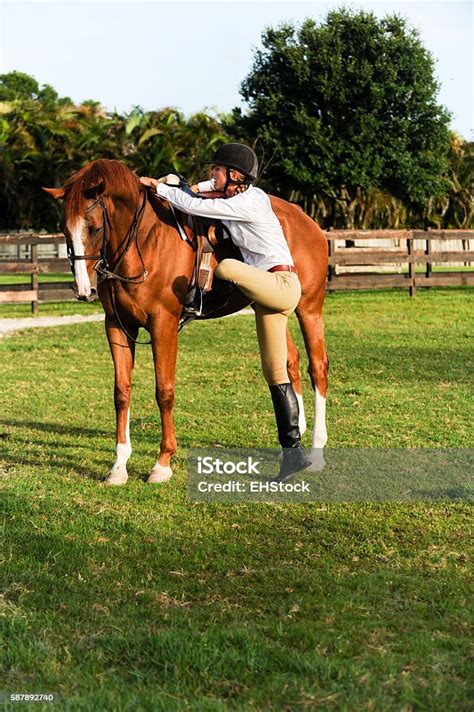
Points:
[(267, 274)]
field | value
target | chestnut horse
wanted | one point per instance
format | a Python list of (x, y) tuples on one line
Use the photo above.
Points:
[(124, 245)]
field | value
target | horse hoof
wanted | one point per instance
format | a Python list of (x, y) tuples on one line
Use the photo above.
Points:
[(160, 473), (116, 478), (317, 460)]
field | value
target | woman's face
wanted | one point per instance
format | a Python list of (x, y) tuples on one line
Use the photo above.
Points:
[(219, 174)]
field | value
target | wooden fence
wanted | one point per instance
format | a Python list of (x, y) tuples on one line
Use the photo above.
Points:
[(32, 265), (390, 260), (394, 260)]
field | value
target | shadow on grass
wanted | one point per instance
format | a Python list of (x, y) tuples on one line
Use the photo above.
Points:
[(188, 435), (25, 446), (64, 466), (56, 428)]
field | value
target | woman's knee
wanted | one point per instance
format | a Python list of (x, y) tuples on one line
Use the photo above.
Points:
[(224, 269), (274, 372)]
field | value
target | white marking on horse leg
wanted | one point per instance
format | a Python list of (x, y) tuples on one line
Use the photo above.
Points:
[(320, 434), (160, 473), (118, 474), (83, 283), (302, 417)]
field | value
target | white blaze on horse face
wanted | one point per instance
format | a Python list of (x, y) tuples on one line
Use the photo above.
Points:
[(78, 232), (320, 434)]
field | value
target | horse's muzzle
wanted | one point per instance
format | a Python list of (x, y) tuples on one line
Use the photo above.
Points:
[(91, 297)]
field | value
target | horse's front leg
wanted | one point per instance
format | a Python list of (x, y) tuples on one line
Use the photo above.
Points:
[(164, 335), (123, 354)]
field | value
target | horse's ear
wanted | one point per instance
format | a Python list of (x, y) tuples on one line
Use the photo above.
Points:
[(55, 192), (95, 190)]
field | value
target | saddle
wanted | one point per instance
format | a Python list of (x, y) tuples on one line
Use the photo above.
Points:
[(203, 235), (206, 237)]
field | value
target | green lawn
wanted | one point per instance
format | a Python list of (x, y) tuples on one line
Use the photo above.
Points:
[(12, 311), (42, 278), (135, 599)]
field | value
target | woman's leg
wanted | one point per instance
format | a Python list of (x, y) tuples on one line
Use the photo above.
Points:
[(271, 333), (275, 295), (278, 291)]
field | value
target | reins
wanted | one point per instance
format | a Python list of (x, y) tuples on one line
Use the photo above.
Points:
[(102, 267), (108, 272)]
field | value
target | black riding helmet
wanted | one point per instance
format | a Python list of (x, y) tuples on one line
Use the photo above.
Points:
[(238, 156)]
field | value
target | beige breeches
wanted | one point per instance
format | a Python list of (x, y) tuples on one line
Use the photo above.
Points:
[(275, 296)]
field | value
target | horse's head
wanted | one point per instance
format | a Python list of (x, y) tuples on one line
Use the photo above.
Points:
[(92, 197)]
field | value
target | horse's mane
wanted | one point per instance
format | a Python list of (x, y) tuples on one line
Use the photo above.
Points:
[(114, 175)]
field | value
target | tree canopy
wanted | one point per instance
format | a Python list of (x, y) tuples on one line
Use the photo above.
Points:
[(348, 107), (44, 138), (339, 147)]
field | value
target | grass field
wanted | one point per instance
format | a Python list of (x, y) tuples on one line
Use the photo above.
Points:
[(135, 599)]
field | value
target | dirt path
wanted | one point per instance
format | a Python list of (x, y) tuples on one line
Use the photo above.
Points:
[(8, 326), (36, 322)]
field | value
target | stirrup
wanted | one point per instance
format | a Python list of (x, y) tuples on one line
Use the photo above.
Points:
[(213, 301), (184, 321), (193, 302)]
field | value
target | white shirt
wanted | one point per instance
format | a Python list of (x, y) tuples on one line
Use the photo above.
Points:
[(248, 216), (206, 186)]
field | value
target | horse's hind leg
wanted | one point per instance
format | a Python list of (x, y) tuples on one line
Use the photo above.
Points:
[(293, 366), (123, 354), (309, 314)]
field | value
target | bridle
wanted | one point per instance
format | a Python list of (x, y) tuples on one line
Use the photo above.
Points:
[(108, 271), (102, 266)]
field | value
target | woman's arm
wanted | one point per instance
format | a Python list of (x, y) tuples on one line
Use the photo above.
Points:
[(205, 186), (170, 179), (236, 208)]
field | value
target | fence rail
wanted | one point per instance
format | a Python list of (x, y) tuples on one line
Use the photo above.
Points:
[(398, 250), (352, 266), (33, 265)]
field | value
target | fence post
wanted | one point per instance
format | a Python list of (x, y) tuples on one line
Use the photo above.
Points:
[(429, 266), (34, 278), (411, 263), (331, 267)]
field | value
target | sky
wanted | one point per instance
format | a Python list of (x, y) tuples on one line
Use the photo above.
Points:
[(194, 55)]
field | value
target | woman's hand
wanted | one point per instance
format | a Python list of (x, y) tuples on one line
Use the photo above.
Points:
[(149, 182), (171, 179)]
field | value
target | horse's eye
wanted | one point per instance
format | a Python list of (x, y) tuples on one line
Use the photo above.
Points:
[(94, 230)]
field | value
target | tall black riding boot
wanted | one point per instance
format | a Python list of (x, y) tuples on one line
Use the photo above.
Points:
[(218, 296), (287, 413), (193, 301), (200, 303)]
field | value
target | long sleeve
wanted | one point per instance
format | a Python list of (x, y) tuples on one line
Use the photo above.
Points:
[(236, 208), (253, 226), (206, 186)]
